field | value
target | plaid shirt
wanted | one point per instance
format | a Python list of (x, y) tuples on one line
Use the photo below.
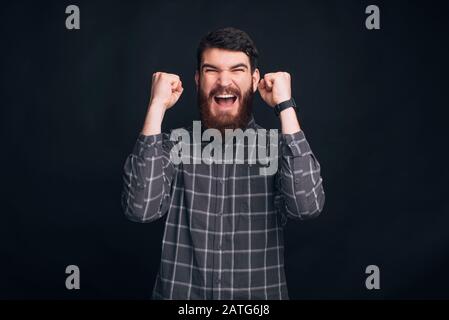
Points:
[(223, 236)]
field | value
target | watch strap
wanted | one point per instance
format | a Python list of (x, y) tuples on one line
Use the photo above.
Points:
[(284, 105)]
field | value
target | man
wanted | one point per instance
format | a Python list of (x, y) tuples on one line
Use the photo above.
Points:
[(223, 236)]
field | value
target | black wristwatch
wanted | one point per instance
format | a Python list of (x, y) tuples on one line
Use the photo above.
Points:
[(284, 105)]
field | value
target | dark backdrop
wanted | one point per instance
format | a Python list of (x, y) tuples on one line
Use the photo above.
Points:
[(372, 103)]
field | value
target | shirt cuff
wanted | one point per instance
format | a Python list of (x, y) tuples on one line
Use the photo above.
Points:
[(294, 144), (145, 145)]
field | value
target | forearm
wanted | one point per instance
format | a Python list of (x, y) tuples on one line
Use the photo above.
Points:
[(289, 121)]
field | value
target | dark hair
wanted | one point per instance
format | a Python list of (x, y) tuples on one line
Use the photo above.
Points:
[(230, 39)]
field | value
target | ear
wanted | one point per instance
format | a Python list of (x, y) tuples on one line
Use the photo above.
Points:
[(197, 78), (256, 78)]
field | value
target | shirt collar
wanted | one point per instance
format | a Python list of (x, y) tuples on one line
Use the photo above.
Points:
[(251, 124)]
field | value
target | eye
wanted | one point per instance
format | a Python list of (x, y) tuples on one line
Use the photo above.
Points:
[(240, 69), (210, 70)]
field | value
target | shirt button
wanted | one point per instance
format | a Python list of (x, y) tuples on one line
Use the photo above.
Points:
[(296, 180)]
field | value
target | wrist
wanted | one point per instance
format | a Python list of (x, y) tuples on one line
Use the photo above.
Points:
[(283, 105), (157, 106), (283, 99)]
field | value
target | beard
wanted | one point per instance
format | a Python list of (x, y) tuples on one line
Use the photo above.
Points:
[(224, 120)]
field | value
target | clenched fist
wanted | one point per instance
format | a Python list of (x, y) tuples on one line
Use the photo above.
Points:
[(275, 88), (166, 88)]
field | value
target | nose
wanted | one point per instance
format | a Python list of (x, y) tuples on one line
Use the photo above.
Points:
[(224, 79)]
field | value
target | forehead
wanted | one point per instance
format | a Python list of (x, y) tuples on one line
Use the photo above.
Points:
[(224, 58)]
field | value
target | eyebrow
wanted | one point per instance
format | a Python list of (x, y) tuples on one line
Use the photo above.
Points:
[(238, 65)]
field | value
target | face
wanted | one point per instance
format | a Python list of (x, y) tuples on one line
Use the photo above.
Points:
[(225, 88)]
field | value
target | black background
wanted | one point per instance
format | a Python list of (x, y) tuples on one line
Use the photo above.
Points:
[(372, 104)]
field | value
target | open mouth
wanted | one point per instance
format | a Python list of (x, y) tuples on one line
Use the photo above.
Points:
[(225, 100)]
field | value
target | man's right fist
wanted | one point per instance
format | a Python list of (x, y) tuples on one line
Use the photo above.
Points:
[(166, 88)]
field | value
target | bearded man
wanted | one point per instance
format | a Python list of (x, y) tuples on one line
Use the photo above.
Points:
[(223, 236)]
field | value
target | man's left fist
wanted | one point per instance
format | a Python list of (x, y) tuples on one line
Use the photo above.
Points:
[(275, 88)]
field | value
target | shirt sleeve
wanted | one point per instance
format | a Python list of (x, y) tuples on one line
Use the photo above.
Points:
[(148, 174), (299, 177)]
